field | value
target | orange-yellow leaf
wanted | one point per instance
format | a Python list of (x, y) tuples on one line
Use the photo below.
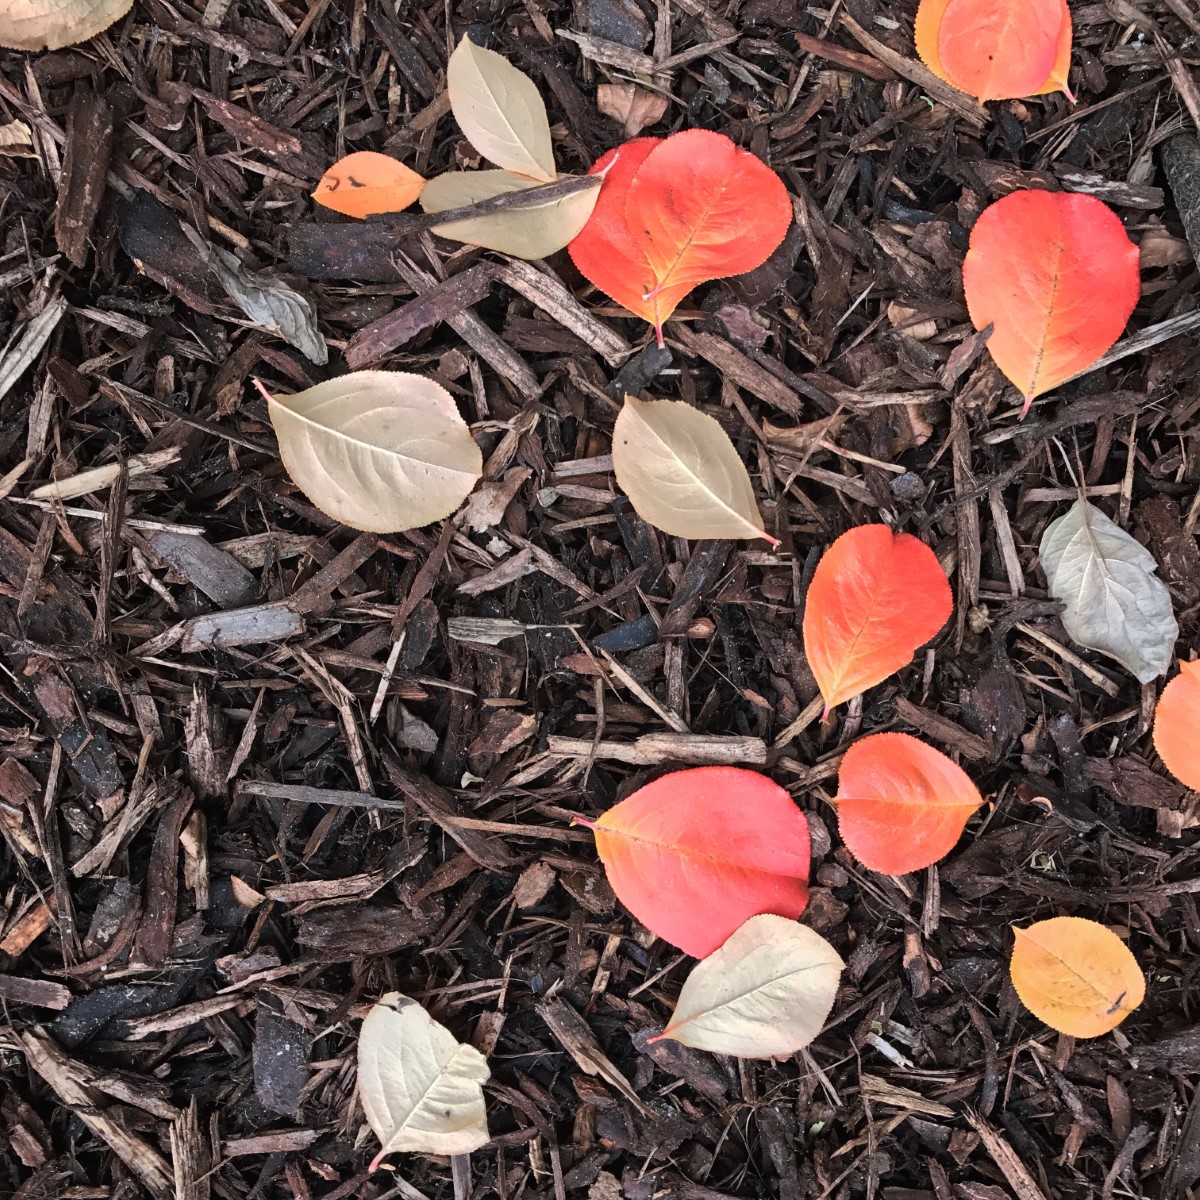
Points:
[(875, 597), (1056, 276), (902, 805), (696, 208), (1177, 725), (365, 182), (1076, 975), (996, 49), (695, 853)]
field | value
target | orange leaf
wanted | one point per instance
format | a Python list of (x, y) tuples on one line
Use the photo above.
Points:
[(365, 182), (1057, 277), (1076, 975), (902, 805), (696, 853), (696, 208), (875, 598), (997, 50), (1177, 725)]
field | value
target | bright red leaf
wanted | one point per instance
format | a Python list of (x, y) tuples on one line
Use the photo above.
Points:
[(1057, 277), (902, 805), (997, 49), (875, 598), (696, 853), (696, 207), (1177, 725)]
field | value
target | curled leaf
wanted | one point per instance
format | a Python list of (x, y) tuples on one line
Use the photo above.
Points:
[(1056, 276), (876, 596), (500, 111), (1177, 725), (1076, 975), (365, 182), (766, 993), (902, 805), (421, 1088), (53, 24), (1115, 603), (682, 472), (634, 107), (382, 451), (533, 232), (696, 853)]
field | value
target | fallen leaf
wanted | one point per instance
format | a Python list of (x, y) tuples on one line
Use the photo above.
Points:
[(15, 138), (420, 1087), (682, 473), (1057, 277), (1076, 975), (766, 993), (875, 598), (1177, 725), (696, 208), (381, 451), (633, 106), (901, 805), (534, 232), (365, 182), (1115, 603), (996, 50), (53, 24), (271, 305), (696, 853), (500, 111)]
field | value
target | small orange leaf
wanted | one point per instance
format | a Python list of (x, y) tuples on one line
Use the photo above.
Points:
[(875, 598), (694, 854), (1177, 725), (902, 805), (365, 182), (996, 49), (1057, 277), (1076, 975)]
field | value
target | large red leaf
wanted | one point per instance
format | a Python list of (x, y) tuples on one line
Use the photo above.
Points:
[(875, 597), (1177, 725), (996, 49), (901, 804), (1057, 277), (696, 853), (697, 207)]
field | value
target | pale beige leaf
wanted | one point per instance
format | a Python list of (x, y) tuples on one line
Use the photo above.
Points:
[(381, 451), (766, 993), (420, 1087), (500, 110), (14, 137), (680, 470), (633, 106), (53, 24), (534, 232), (1114, 601)]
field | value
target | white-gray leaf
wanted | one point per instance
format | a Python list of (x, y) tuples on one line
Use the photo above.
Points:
[(1115, 602)]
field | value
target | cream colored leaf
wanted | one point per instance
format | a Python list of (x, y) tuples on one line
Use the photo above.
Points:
[(680, 470), (766, 993), (1115, 602), (53, 24), (14, 137), (500, 110), (534, 232), (633, 106), (420, 1087), (382, 451)]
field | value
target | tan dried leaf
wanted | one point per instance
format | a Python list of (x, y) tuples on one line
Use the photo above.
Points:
[(680, 470), (534, 232), (766, 993), (421, 1088), (501, 111), (53, 24), (15, 138), (633, 106), (382, 451)]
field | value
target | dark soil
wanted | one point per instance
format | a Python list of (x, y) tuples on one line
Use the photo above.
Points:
[(252, 779)]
